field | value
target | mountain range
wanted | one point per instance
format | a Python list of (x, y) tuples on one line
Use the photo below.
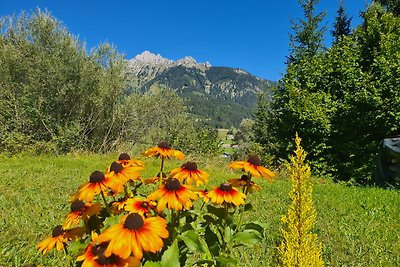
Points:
[(222, 96)]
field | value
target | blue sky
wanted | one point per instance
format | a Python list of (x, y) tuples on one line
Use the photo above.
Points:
[(251, 34)]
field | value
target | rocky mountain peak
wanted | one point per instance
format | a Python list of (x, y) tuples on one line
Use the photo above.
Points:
[(148, 57), (187, 62)]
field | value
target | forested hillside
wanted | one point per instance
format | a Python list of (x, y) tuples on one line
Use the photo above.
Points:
[(222, 96)]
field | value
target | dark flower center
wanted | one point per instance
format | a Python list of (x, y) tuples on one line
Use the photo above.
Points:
[(57, 231), (244, 177), (99, 249), (96, 177), (164, 145), (133, 222), (103, 260), (173, 184), (225, 187), (254, 160), (124, 156), (190, 166), (77, 205), (144, 205), (116, 167)]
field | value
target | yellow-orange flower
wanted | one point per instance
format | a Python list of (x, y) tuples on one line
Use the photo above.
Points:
[(253, 166), (137, 205), (164, 150), (98, 182), (81, 211), (188, 172), (173, 195), (122, 172), (59, 237), (203, 194), (94, 256), (126, 160), (135, 234), (155, 179), (225, 193), (243, 181), (118, 206)]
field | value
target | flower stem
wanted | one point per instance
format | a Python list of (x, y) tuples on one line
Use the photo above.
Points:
[(161, 170), (239, 225), (105, 201)]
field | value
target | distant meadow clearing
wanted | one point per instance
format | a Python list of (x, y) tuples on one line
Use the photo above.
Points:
[(358, 226)]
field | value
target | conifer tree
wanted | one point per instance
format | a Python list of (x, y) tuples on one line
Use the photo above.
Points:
[(300, 247), (307, 39), (341, 27)]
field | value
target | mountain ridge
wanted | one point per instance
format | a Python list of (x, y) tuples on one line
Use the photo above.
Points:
[(221, 95)]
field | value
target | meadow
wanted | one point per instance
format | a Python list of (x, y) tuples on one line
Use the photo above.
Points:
[(358, 226)]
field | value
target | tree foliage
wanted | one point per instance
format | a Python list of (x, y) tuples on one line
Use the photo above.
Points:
[(343, 101), (341, 26), (308, 35), (56, 96), (52, 90)]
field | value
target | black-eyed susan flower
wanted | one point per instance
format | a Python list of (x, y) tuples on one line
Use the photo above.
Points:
[(126, 160), (203, 194), (173, 195), (122, 173), (225, 193), (118, 206), (81, 211), (59, 238), (141, 206), (94, 256), (188, 172), (98, 183), (155, 179), (164, 150), (245, 181), (253, 166), (135, 234)]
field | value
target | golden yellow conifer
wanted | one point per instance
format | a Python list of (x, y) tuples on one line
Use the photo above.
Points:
[(300, 247)]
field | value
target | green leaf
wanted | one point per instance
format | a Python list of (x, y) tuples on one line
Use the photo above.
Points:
[(228, 234), (226, 260), (152, 264), (247, 237), (248, 207), (255, 226), (194, 242), (221, 213), (204, 263), (212, 241), (170, 258), (210, 219)]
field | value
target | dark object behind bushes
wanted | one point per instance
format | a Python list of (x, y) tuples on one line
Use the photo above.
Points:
[(388, 164)]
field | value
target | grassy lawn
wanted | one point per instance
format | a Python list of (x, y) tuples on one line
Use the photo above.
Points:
[(358, 226)]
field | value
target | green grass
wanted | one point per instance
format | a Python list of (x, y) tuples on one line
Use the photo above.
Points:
[(359, 226)]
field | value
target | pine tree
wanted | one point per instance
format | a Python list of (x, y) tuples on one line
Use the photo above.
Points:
[(300, 247), (308, 35), (341, 27)]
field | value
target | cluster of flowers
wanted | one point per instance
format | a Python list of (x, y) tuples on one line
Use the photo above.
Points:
[(143, 227)]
